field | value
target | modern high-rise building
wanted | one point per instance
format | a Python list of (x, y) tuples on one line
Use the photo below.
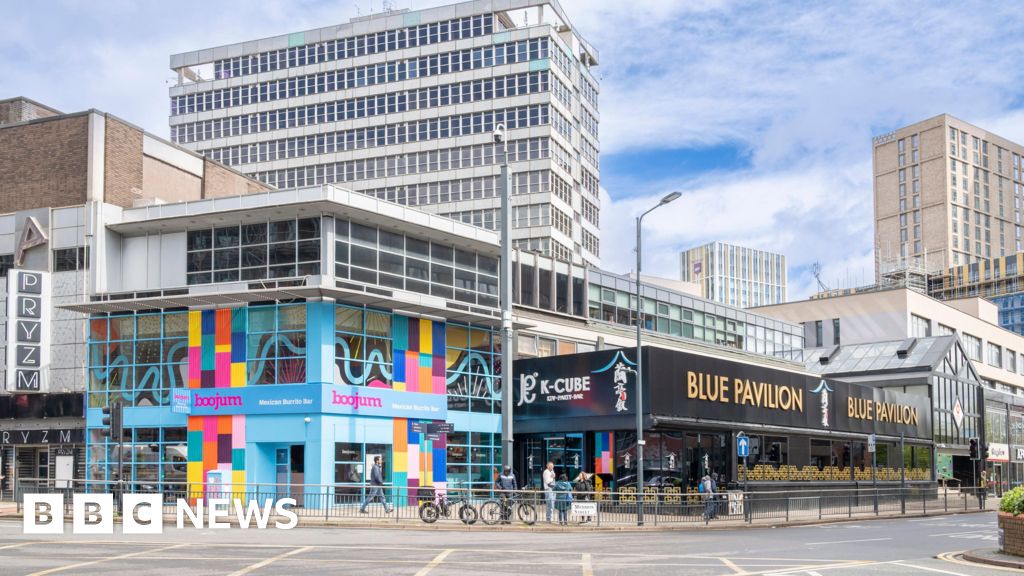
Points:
[(946, 193), (402, 106), (735, 275)]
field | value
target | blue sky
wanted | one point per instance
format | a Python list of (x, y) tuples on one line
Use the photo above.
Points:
[(760, 113)]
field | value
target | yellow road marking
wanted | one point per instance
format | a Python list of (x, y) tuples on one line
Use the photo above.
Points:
[(952, 557), (588, 569), (269, 561), (435, 562), (110, 559)]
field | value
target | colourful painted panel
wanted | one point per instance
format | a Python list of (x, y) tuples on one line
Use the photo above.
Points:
[(216, 359), (418, 366), (603, 452)]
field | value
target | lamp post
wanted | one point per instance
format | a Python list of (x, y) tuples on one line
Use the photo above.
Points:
[(639, 364), (505, 289)]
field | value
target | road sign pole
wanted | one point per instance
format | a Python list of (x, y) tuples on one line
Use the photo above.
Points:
[(743, 451)]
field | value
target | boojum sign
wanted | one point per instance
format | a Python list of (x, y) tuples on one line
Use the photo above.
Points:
[(355, 400), (143, 514), (216, 401)]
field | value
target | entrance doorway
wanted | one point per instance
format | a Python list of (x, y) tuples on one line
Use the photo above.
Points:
[(564, 450), (289, 468), (705, 453)]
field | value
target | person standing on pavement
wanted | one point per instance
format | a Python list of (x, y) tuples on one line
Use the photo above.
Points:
[(376, 487), (507, 485), (982, 489), (707, 489), (548, 481), (584, 489), (563, 493)]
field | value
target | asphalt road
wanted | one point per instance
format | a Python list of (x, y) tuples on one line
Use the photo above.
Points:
[(899, 546)]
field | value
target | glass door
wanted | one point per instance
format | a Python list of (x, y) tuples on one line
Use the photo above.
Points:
[(282, 468), (42, 463)]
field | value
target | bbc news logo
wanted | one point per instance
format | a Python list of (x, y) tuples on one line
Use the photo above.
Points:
[(143, 513)]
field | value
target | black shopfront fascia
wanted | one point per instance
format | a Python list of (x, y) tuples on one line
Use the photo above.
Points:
[(580, 392), (701, 395)]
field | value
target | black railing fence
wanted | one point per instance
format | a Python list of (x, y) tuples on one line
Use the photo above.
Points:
[(330, 502)]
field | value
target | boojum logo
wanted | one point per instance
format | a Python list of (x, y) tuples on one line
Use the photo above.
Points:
[(216, 401), (355, 401)]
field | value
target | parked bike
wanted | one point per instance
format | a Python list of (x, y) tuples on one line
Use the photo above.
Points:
[(442, 506), (498, 510)]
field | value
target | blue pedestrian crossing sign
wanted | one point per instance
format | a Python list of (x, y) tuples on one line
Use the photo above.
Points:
[(742, 446)]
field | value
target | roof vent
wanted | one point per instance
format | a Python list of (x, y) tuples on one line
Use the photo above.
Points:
[(906, 347), (828, 354)]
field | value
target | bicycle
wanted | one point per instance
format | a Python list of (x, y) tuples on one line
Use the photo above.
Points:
[(500, 510), (441, 505)]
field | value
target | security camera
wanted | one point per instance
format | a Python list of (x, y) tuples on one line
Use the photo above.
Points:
[(499, 133)]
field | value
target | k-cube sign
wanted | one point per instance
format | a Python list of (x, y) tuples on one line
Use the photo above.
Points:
[(28, 330), (143, 513)]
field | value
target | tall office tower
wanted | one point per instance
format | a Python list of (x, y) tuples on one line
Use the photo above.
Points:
[(402, 106), (946, 194), (735, 275)]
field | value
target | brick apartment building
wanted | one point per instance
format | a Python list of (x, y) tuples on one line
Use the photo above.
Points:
[(57, 172), (49, 159)]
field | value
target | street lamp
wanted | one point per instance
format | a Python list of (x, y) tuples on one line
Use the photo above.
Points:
[(670, 197), (505, 283)]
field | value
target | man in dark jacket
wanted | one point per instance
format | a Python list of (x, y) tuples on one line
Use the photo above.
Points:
[(376, 487), (507, 484)]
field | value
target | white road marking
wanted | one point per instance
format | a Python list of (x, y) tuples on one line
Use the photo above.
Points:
[(732, 565), (19, 545), (915, 566), (269, 561), (435, 562), (847, 541), (110, 559)]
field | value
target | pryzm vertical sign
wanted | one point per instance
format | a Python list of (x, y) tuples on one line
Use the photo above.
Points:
[(28, 330)]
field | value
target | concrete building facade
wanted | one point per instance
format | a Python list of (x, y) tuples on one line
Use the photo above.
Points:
[(867, 317), (401, 106), (946, 193), (735, 275)]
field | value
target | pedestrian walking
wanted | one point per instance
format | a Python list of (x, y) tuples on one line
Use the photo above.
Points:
[(707, 489), (507, 486), (376, 487), (548, 483), (563, 495), (715, 495), (982, 489)]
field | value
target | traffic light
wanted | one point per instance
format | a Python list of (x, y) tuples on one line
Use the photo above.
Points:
[(984, 453), (973, 443), (113, 421)]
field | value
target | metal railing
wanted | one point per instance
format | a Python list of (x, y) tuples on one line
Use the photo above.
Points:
[(327, 503)]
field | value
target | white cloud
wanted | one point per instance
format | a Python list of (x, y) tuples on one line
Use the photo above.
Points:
[(802, 88), (796, 212)]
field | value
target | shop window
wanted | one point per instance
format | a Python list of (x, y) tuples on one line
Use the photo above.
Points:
[(136, 358), (363, 346), (277, 344), (352, 464), (155, 459)]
